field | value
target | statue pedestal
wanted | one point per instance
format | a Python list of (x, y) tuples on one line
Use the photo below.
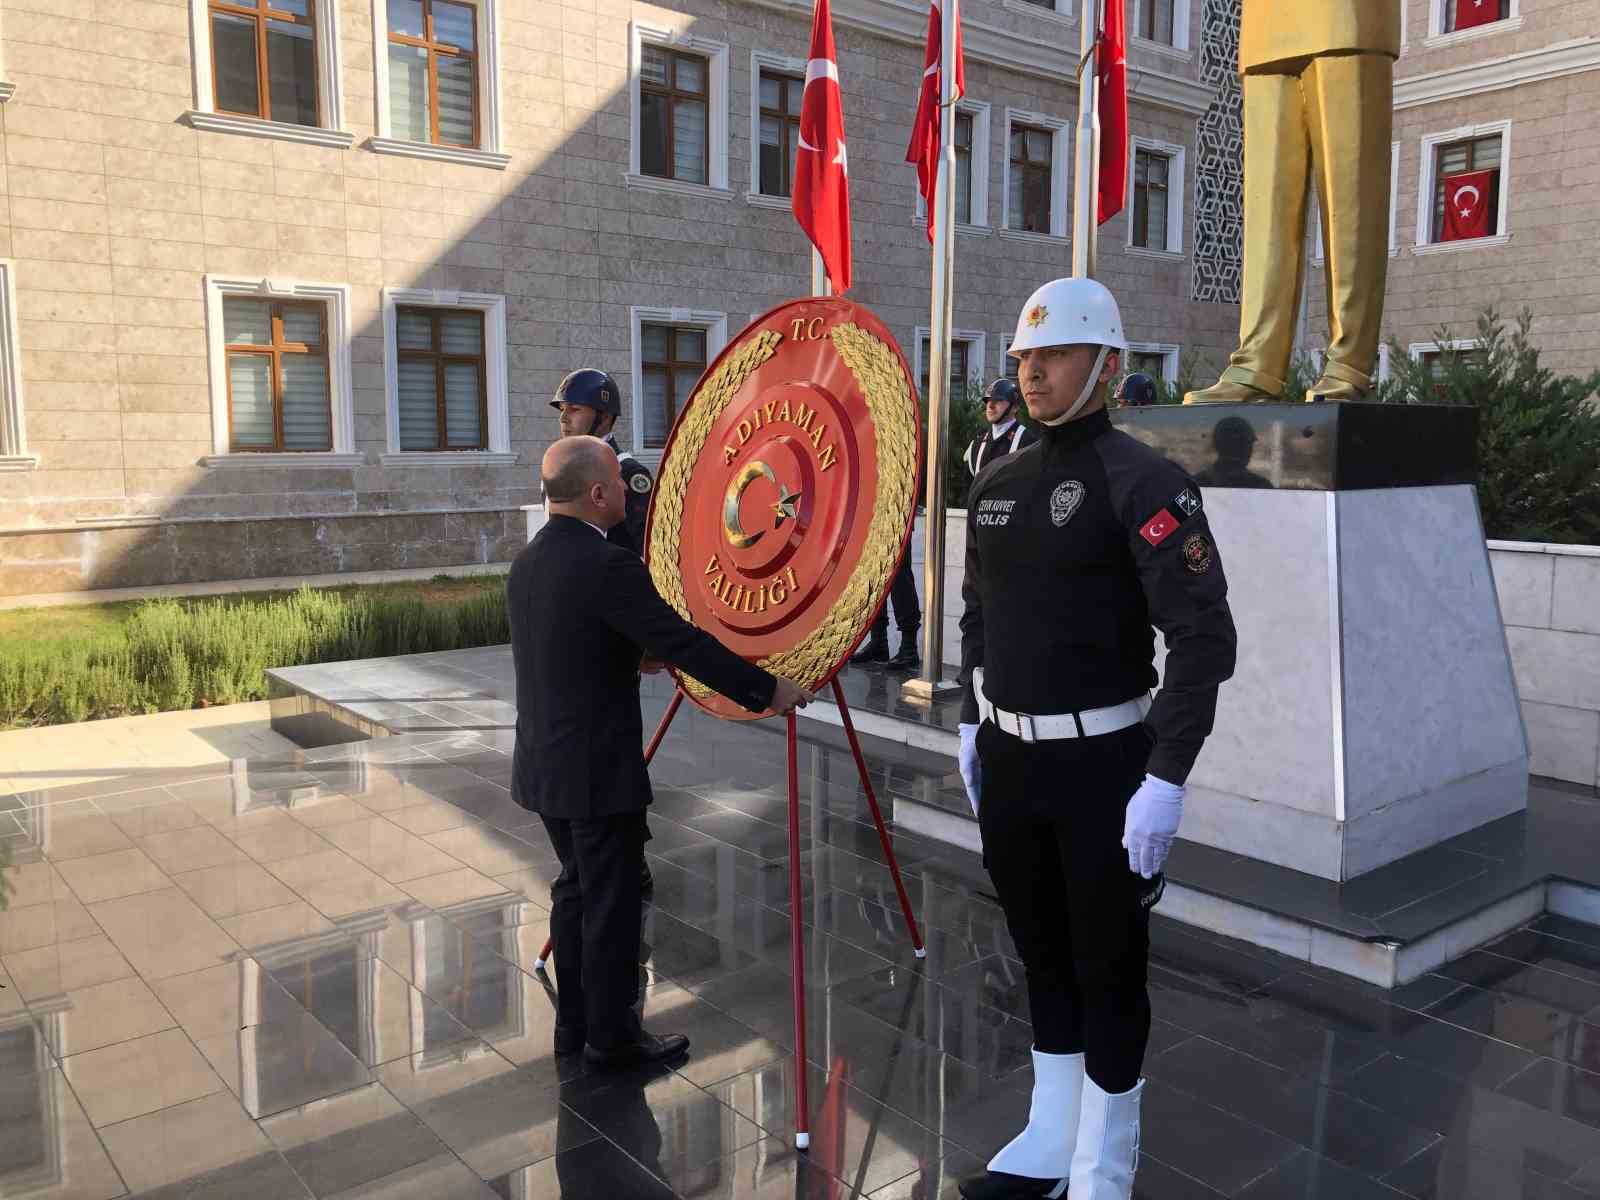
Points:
[(1373, 712)]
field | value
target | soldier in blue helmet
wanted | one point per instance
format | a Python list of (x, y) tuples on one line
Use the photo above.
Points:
[(589, 402), (1136, 391), (1006, 434)]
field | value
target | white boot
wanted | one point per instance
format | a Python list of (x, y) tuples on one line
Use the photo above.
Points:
[(1107, 1152), (1044, 1149)]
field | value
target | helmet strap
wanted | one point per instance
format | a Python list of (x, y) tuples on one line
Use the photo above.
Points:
[(1088, 389)]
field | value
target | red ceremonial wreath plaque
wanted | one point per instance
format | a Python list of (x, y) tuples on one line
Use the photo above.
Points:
[(787, 491)]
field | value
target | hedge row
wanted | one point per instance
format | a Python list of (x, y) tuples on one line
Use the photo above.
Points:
[(181, 654)]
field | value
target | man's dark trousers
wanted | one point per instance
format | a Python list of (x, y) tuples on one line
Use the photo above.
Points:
[(903, 596), (595, 919)]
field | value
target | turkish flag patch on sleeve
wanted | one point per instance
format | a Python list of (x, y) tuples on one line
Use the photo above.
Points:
[(1159, 527)]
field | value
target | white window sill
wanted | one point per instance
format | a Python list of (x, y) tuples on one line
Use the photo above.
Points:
[(760, 200), (308, 135), (963, 228), (650, 183), (1042, 239), (321, 459), (1499, 239), (1440, 40), (18, 462), (7, 90), (1038, 10), (462, 155), (1163, 49), (1162, 255), (448, 458)]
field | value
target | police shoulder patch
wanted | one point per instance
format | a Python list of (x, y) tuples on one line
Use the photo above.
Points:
[(1197, 554), (1187, 501), (640, 482)]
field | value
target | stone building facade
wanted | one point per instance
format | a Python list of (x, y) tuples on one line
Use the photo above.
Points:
[(286, 286), (1513, 101)]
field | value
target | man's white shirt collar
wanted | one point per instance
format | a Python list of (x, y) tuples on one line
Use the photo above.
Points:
[(999, 431)]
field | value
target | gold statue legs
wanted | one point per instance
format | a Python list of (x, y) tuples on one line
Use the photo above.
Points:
[(1327, 125)]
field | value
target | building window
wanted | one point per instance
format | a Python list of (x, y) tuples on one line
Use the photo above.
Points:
[(433, 72), (1150, 188), (1009, 366), (672, 359), (967, 347), (1032, 161), (963, 148), (779, 131), (1156, 21), (1468, 14), (264, 59), (674, 130), (1466, 189), (971, 134), (442, 387), (1159, 360), (1145, 362), (14, 454), (277, 372)]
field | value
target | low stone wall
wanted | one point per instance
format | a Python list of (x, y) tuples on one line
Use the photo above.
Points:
[(1550, 601), (150, 553)]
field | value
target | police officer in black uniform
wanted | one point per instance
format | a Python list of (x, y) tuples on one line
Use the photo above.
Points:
[(1138, 390), (589, 403), (1076, 547), (1006, 434)]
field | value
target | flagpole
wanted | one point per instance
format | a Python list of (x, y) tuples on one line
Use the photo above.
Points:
[(1085, 226), (820, 284), (930, 682)]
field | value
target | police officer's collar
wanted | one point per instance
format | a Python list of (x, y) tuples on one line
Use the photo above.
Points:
[(610, 439), (1075, 433), (1000, 430)]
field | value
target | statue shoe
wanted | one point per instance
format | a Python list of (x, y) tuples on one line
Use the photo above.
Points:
[(1328, 388), (997, 1185), (1225, 391)]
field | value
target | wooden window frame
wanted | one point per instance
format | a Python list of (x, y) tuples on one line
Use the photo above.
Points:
[(1491, 201), (671, 366), (1140, 215), (261, 12), (441, 360), (971, 120), (959, 346), (1027, 165), (274, 352), (436, 48), (671, 94), (788, 123)]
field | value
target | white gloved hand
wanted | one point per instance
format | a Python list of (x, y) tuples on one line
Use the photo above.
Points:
[(1150, 825), (971, 768)]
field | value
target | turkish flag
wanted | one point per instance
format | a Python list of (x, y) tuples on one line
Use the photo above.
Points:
[(828, 1135), (1159, 527), (1466, 205), (1111, 64), (924, 148), (821, 200), (1472, 13)]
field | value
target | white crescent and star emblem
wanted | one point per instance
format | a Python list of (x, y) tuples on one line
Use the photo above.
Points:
[(1468, 205), (823, 68)]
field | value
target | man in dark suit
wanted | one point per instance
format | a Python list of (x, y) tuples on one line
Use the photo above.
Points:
[(583, 611)]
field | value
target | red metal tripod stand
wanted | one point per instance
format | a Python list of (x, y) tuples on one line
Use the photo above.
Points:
[(796, 942)]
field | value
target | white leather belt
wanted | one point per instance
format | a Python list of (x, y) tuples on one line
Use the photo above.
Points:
[(1048, 728)]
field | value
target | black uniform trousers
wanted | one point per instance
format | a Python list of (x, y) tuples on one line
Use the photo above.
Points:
[(1051, 815), (595, 922), (903, 595)]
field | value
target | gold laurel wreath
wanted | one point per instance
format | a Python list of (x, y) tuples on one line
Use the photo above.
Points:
[(878, 372)]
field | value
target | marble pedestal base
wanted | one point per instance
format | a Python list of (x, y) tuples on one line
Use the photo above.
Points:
[(1373, 712)]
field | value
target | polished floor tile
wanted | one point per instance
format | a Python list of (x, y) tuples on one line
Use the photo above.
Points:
[(351, 1139), (275, 1065), (1307, 1176), (329, 809), (65, 966), (48, 1149), (335, 884), (191, 849), (229, 890), (35, 883), (274, 835), (490, 851), (77, 830), (451, 887), (596, 1168), (132, 1078), (269, 926), (184, 1142), (163, 933), (32, 926), (389, 851), (113, 874), (265, 1177), (443, 1178), (430, 816), (90, 1017)]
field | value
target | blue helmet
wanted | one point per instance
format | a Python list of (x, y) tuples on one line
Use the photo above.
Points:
[(1004, 390), (1137, 390), (592, 389)]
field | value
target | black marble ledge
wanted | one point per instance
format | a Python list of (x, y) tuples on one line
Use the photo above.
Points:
[(1313, 447)]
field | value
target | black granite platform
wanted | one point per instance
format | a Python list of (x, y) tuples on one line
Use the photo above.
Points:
[(1313, 447)]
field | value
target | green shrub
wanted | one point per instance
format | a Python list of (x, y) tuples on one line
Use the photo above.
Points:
[(177, 654), (1538, 432)]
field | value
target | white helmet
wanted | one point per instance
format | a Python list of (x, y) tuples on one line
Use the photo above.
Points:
[(1071, 312)]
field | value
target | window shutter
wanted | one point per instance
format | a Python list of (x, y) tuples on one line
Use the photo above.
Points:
[(307, 422), (461, 392), (250, 390), (419, 406)]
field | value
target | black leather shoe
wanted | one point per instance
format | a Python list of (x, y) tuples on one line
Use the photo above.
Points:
[(643, 1048), (569, 1039), (908, 657), (874, 650), (997, 1185)]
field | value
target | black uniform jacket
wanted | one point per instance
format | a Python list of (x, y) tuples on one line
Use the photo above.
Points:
[(983, 450), (629, 534), (1076, 546), (582, 611)]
